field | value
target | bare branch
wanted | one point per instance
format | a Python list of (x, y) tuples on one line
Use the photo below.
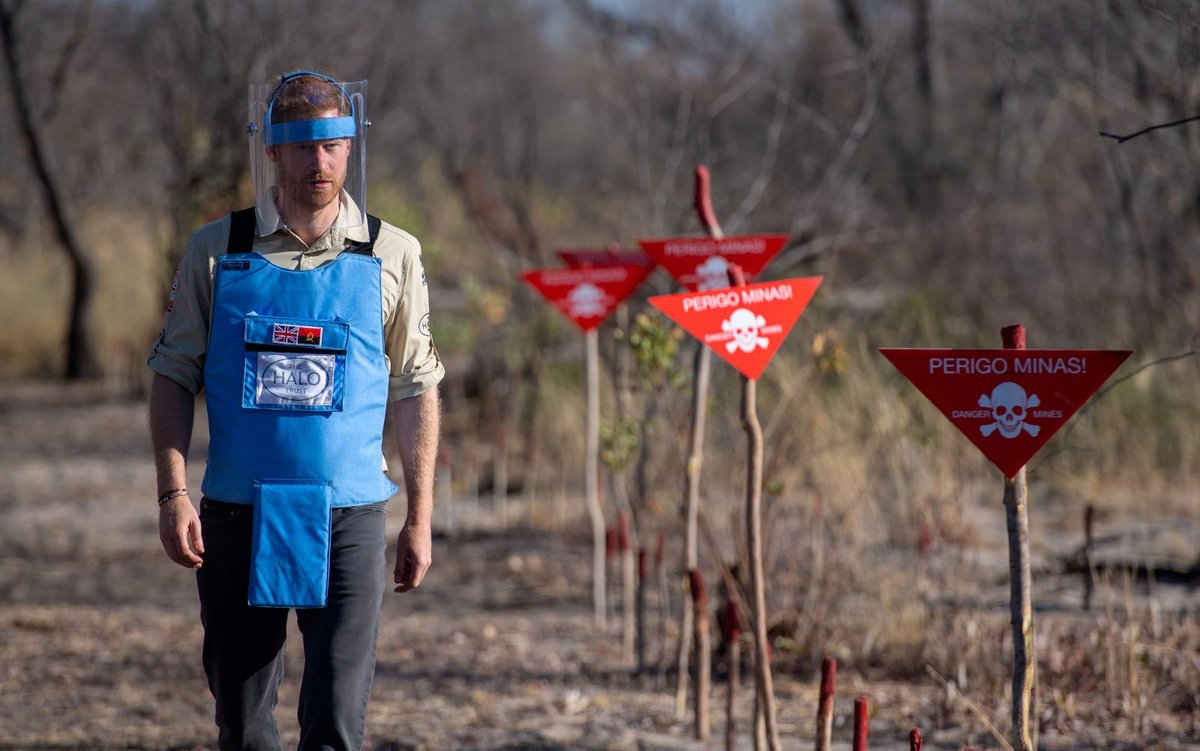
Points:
[(63, 64), (1122, 139)]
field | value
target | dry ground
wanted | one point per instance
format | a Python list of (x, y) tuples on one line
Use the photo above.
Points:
[(99, 636)]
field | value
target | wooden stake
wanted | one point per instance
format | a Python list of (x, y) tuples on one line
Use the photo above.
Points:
[(731, 632), (764, 688), (700, 376), (640, 647), (629, 585), (825, 704), (664, 600), (592, 478), (701, 639), (1020, 581), (914, 740), (860, 724)]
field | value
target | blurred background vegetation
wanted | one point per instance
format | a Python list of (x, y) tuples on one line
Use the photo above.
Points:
[(938, 162)]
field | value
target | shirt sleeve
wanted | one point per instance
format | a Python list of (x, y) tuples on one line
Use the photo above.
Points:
[(415, 366), (181, 347)]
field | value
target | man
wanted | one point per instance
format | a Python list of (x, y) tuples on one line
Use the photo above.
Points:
[(304, 321)]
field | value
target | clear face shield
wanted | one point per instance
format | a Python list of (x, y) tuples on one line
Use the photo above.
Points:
[(308, 151)]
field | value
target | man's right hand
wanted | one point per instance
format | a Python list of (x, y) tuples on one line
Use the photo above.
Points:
[(179, 530)]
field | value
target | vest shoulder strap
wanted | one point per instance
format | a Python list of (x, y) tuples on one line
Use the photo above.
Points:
[(367, 248), (241, 231), (244, 223)]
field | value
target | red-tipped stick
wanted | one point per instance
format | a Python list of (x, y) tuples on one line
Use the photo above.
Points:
[(825, 706), (1013, 336), (737, 277), (860, 724), (695, 461), (640, 612), (731, 632), (914, 740), (701, 639), (703, 203)]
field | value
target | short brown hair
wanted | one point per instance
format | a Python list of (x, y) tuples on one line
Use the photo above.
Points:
[(307, 97)]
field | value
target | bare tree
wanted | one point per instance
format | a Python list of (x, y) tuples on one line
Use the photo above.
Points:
[(80, 358)]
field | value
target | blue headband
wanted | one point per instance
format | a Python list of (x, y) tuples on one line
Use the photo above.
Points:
[(299, 131)]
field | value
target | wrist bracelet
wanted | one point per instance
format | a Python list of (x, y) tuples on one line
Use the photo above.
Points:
[(171, 494)]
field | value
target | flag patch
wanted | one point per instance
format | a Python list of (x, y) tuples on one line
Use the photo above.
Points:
[(284, 333), (310, 335)]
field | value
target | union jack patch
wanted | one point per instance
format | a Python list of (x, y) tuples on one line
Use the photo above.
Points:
[(285, 334)]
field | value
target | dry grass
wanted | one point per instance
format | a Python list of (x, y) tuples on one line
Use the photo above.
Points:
[(99, 640)]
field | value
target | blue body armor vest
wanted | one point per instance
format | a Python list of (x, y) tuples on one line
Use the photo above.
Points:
[(296, 378), (296, 385)]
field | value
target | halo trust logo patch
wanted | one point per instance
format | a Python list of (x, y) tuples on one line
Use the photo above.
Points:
[(299, 379), (296, 379), (423, 326)]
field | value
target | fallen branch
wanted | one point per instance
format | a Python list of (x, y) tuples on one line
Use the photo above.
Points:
[(975, 708)]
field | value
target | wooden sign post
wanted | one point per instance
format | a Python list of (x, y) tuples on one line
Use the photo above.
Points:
[(701, 263), (631, 637), (586, 296), (1009, 403), (745, 325)]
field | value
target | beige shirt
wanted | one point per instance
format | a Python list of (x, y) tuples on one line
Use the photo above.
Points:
[(413, 362)]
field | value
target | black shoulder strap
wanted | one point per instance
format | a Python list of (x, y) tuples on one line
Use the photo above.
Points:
[(367, 248), (243, 224)]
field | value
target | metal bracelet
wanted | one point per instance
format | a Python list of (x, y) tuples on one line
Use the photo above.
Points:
[(171, 494)]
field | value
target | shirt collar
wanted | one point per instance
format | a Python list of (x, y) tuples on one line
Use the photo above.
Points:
[(338, 233)]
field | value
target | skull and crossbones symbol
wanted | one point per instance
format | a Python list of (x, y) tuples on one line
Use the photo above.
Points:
[(744, 326), (713, 273), (586, 301), (1010, 406)]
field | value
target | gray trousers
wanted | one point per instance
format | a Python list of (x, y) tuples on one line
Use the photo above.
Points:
[(243, 645)]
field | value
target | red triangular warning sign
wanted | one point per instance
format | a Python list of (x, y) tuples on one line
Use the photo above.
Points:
[(744, 325), (700, 263), (580, 257), (587, 295), (1008, 402)]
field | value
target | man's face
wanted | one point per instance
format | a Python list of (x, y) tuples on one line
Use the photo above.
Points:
[(312, 173)]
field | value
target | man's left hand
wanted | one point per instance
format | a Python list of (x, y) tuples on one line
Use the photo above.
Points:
[(414, 553)]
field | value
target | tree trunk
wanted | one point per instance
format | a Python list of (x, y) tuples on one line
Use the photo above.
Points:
[(80, 359)]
